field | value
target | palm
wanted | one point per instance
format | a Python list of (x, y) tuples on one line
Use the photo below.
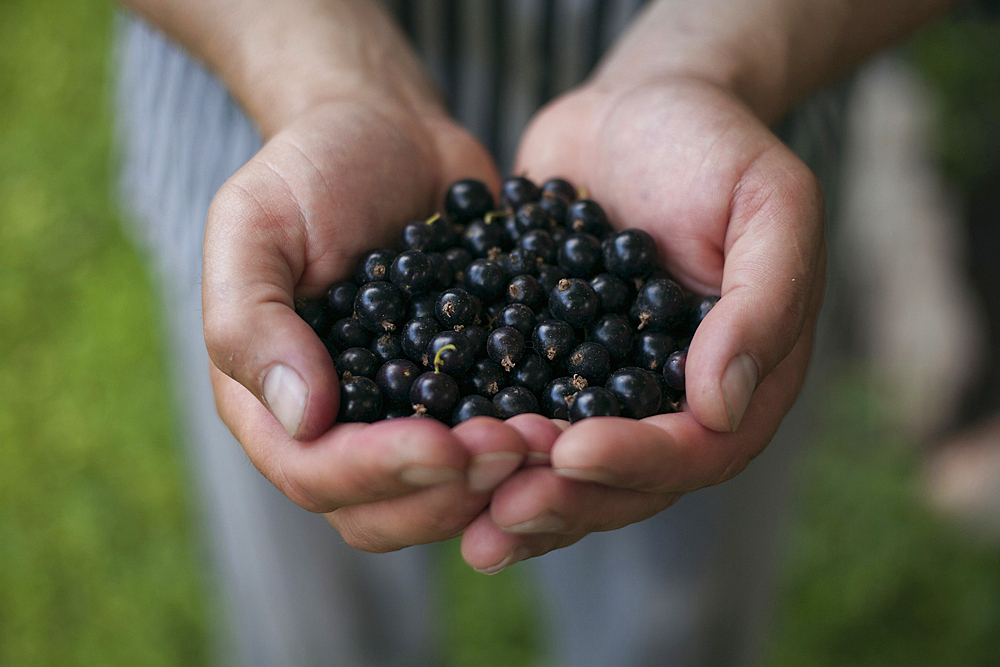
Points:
[(734, 213)]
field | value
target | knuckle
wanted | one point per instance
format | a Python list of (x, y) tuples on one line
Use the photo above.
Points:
[(359, 535)]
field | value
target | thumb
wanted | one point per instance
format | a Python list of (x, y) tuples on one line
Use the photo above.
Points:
[(254, 255), (772, 287)]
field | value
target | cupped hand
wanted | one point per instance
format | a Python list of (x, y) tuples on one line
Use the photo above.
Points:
[(342, 178), (734, 213)]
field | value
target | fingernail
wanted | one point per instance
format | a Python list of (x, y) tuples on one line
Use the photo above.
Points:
[(428, 475), (738, 383), (516, 556), (599, 475), (546, 522), (486, 471), (285, 392)]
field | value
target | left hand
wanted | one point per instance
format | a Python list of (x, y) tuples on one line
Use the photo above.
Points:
[(734, 213)]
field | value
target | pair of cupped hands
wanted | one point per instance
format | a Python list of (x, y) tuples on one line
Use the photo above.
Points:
[(733, 211)]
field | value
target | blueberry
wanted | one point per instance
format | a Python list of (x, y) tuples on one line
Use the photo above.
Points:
[(360, 400), (467, 199), (412, 272), (637, 392), (374, 266), (395, 378), (630, 254), (574, 301), (593, 402), (505, 346), (591, 361), (472, 406), (514, 400), (380, 307)]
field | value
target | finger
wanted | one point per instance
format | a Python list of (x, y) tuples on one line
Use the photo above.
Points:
[(496, 450), (490, 550), (537, 500), (348, 465), (539, 435), (676, 452), (771, 288)]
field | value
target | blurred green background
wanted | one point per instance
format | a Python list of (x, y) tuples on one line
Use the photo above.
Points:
[(99, 560)]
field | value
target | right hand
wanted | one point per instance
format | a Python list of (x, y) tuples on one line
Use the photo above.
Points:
[(341, 178)]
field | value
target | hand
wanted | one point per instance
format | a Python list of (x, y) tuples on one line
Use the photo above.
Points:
[(735, 214), (340, 179)]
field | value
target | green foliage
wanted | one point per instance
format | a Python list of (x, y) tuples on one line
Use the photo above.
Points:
[(98, 563)]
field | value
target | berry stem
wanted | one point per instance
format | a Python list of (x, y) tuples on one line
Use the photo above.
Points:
[(437, 357)]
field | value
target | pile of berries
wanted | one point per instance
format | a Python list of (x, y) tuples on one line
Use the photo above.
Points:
[(536, 307)]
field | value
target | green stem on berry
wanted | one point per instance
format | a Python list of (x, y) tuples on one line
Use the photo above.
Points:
[(437, 357)]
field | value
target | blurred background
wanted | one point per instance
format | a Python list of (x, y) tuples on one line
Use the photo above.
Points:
[(892, 556)]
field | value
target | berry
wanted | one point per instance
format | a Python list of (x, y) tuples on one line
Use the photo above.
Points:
[(637, 392), (486, 378), (486, 279), (444, 275), (531, 216), (574, 301), (459, 258), (658, 305), (423, 305), (472, 406), (553, 339), (316, 314), (700, 309), (417, 235), (559, 187), (518, 191), (651, 349), (340, 299), (348, 332), (520, 261), (395, 378), (556, 207), (673, 370), (580, 255), (505, 346), (477, 336), (386, 347), (511, 401), (524, 289), (358, 362), (549, 276), (435, 394), (630, 254), (612, 291), (416, 336), (467, 199), (518, 316), (539, 242), (412, 272), (591, 361), (480, 237), (615, 333), (593, 402), (531, 372), (374, 265), (360, 400), (559, 394), (586, 216), (380, 307), (452, 352), (455, 307)]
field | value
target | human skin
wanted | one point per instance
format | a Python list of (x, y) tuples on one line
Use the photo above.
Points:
[(670, 135)]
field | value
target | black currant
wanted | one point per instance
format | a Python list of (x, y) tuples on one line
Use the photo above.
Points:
[(416, 336), (580, 255), (518, 316), (549, 276), (558, 394), (593, 402), (531, 372), (456, 307), (395, 378), (481, 237), (574, 301), (651, 349), (360, 400), (485, 279), (673, 370), (477, 336), (357, 361), (531, 216), (630, 254), (423, 305), (380, 307), (472, 406), (613, 292), (524, 289), (340, 298), (412, 272), (637, 391), (520, 261), (518, 191), (559, 187), (659, 304), (348, 332), (514, 400), (467, 199), (486, 378), (586, 216), (591, 361), (316, 314), (539, 242), (505, 346), (451, 352), (386, 347), (614, 332), (434, 393), (553, 339), (374, 266)]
